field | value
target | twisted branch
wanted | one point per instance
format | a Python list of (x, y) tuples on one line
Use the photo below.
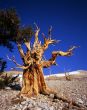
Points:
[(27, 44), (36, 35), (50, 31), (18, 65), (48, 41), (52, 61), (20, 50)]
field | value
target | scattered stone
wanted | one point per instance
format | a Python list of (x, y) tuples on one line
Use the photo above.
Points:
[(75, 90), (7, 88), (51, 96), (79, 101), (37, 108), (52, 108)]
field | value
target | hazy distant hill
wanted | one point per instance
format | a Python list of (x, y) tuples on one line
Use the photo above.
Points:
[(74, 73), (80, 72), (83, 71)]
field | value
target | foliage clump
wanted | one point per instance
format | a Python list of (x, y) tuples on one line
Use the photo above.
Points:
[(11, 30)]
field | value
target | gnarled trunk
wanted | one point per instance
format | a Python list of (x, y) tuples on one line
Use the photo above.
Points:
[(34, 82), (33, 64)]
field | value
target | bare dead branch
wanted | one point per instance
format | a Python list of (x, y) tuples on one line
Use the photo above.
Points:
[(52, 61), (20, 50), (46, 64), (13, 59), (48, 41), (72, 48), (28, 45), (70, 102), (36, 36), (50, 31), (44, 37), (18, 65), (23, 67), (22, 53), (36, 25), (61, 53), (67, 53)]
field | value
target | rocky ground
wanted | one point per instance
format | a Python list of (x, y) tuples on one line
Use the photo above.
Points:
[(74, 91)]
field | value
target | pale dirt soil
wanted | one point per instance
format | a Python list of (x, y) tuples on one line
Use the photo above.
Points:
[(76, 90)]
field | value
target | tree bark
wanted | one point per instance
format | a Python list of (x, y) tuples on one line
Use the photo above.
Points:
[(34, 82), (33, 64)]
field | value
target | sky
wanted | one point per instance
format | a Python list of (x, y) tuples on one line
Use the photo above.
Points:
[(69, 21)]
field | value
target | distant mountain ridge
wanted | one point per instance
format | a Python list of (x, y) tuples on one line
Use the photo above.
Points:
[(58, 74), (77, 72)]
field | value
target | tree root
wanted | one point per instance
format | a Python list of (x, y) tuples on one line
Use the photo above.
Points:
[(71, 103)]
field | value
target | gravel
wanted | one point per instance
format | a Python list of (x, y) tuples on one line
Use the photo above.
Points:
[(75, 90)]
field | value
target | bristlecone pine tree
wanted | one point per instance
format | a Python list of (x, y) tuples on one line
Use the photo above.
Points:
[(33, 62)]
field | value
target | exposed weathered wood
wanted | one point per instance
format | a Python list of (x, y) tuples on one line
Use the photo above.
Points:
[(18, 65), (28, 45), (36, 36), (20, 50), (33, 64), (55, 54)]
